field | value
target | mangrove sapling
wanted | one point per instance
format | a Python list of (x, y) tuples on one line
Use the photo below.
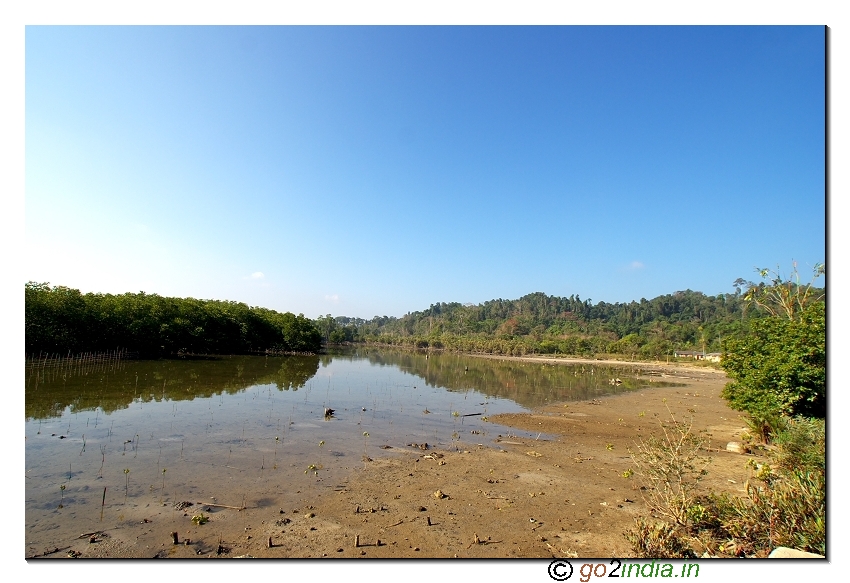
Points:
[(127, 484), (365, 437), (62, 500), (163, 483), (84, 444), (102, 459)]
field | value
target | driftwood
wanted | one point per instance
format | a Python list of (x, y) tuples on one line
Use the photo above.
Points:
[(222, 506)]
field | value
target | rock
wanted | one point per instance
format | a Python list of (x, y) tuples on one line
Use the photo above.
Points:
[(734, 447), (786, 553)]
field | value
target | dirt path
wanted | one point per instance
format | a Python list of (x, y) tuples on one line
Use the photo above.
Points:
[(562, 494)]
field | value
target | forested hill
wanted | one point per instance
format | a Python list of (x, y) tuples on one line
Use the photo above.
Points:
[(541, 323)]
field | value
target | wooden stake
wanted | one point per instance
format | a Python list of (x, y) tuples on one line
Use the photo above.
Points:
[(356, 540), (174, 538), (428, 518)]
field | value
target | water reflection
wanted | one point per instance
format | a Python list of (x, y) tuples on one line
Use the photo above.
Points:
[(528, 384), (112, 388)]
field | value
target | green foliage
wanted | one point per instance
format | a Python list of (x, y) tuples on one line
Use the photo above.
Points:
[(780, 368), (786, 506), (802, 446), (542, 324), (200, 519), (783, 296), (60, 320), (787, 512)]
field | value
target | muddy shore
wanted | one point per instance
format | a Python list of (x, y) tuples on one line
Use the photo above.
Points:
[(562, 494)]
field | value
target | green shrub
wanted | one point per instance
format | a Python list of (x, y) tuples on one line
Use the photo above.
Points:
[(802, 445), (786, 511), (780, 369), (786, 506)]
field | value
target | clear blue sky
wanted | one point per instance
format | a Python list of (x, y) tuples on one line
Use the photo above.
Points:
[(369, 171)]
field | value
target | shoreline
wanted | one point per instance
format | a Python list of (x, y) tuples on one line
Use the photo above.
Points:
[(639, 364)]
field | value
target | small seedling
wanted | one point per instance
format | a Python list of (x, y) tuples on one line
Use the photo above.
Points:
[(609, 446), (200, 519), (127, 485), (62, 500), (163, 482), (455, 414), (641, 414), (628, 473)]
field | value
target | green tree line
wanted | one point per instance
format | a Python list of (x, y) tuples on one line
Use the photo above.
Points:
[(543, 324), (60, 320)]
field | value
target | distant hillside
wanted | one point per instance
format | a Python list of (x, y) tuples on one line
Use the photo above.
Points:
[(539, 323)]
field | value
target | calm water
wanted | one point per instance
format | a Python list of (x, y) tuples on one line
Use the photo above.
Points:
[(248, 429)]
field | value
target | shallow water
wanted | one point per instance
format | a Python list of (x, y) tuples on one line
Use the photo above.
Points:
[(247, 430)]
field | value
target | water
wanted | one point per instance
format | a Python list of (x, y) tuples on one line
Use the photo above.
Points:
[(248, 430)]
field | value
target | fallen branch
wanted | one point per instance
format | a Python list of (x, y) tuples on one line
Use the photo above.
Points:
[(222, 506)]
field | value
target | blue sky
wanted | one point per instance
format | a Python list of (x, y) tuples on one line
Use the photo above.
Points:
[(366, 171)]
